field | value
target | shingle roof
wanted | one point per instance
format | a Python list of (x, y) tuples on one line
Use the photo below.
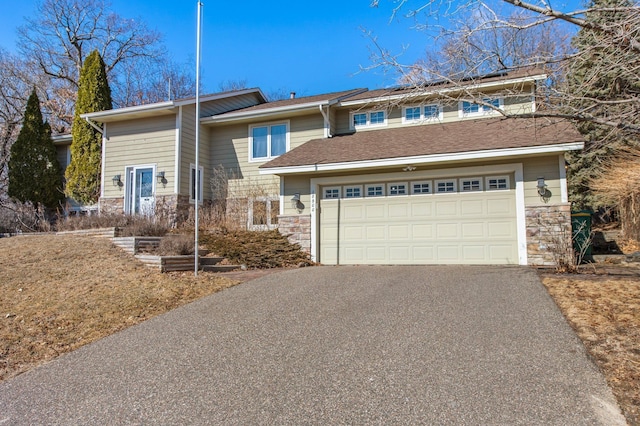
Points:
[(326, 97), (433, 139), (405, 90)]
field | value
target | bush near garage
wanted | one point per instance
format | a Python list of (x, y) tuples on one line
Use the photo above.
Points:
[(255, 249)]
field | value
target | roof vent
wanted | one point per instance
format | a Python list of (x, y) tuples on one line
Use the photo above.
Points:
[(292, 95)]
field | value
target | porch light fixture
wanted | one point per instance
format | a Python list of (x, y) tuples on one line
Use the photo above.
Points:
[(542, 187), (161, 178), (408, 168), (117, 181), (295, 202)]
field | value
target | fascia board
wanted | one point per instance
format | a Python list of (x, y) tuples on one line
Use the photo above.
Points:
[(123, 112), (425, 159), (477, 86), (216, 96)]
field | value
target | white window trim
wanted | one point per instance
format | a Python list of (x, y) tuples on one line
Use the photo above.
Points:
[(406, 188), (480, 182), (192, 167), (488, 178), (421, 182), (423, 118), (331, 188), (437, 181), (268, 125), (353, 187), (368, 124), (481, 109), (268, 200), (371, 185)]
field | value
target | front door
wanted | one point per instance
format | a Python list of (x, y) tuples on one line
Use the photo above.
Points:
[(140, 191)]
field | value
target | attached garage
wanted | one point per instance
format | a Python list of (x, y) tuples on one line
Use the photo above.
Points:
[(443, 221)]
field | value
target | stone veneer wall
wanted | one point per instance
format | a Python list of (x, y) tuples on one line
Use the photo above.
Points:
[(548, 234), (111, 205), (297, 228), (174, 208)]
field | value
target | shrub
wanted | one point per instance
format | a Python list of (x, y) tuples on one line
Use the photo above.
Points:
[(129, 226), (176, 245), (255, 249)]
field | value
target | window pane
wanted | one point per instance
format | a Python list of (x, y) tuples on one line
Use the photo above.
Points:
[(278, 140), (331, 193), (275, 211), (398, 189), (445, 187), (259, 212), (360, 119), (412, 114), (431, 111), (375, 191), (353, 192), (377, 117), (469, 108), (193, 183), (421, 188), (259, 142), (471, 185), (494, 102)]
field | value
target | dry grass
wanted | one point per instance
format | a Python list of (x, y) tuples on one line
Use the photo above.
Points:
[(605, 313), (62, 292)]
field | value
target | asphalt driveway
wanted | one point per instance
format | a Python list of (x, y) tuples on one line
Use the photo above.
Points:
[(333, 345)]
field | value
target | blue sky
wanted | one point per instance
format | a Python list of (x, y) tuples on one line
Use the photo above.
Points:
[(307, 47)]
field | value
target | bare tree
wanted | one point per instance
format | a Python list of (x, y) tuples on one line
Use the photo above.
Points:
[(477, 37)]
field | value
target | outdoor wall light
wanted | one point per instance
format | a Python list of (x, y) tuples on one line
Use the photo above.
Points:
[(295, 202), (117, 181), (161, 178), (542, 187)]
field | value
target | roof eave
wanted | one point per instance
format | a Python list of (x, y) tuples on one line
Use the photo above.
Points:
[(424, 159), (444, 91), (121, 113), (230, 117)]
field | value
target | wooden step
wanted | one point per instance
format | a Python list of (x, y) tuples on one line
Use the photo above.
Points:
[(219, 268)]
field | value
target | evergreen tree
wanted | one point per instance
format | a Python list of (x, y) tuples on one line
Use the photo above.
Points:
[(602, 80), (94, 94), (34, 170)]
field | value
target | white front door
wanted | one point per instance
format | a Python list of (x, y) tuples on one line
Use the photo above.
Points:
[(140, 195)]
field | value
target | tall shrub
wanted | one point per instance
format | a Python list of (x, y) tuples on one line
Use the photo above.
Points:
[(94, 94), (34, 170)]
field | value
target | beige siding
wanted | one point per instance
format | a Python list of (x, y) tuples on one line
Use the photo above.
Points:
[(547, 167), (450, 109), (297, 185), (137, 142), (63, 156)]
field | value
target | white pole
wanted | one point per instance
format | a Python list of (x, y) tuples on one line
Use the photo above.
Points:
[(197, 177)]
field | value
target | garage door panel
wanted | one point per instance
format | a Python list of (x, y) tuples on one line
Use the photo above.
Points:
[(472, 208), (477, 228)]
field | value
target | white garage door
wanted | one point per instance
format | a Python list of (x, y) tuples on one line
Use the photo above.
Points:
[(477, 226)]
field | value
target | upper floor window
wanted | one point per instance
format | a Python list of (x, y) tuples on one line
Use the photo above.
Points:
[(470, 109), (268, 141), (370, 118), (415, 114)]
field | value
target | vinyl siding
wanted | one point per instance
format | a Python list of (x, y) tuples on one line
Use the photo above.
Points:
[(63, 156), (138, 142), (450, 113), (548, 168)]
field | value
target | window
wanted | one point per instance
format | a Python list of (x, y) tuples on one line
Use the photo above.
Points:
[(445, 186), (425, 113), (375, 190), (412, 114), (192, 183), (431, 112), (353, 191), (268, 141), (366, 119), (398, 189), (473, 109), (471, 184), (497, 183), (359, 119), (263, 213), (423, 187), (333, 192)]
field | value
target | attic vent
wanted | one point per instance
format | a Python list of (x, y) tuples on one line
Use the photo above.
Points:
[(292, 95)]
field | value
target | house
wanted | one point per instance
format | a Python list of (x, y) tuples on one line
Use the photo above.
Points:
[(390, 176)]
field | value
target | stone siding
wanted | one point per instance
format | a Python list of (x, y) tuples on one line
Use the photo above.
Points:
[(111, 206), (297, 228), (549, 234)]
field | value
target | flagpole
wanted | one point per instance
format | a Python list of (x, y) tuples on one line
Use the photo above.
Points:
[(197, 173)]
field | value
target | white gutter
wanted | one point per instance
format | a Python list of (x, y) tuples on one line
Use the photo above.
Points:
[(424, 159), (92, 124), (444, 91), (129, 110)]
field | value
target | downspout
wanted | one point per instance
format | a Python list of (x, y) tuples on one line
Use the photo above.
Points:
[(327, 122)]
